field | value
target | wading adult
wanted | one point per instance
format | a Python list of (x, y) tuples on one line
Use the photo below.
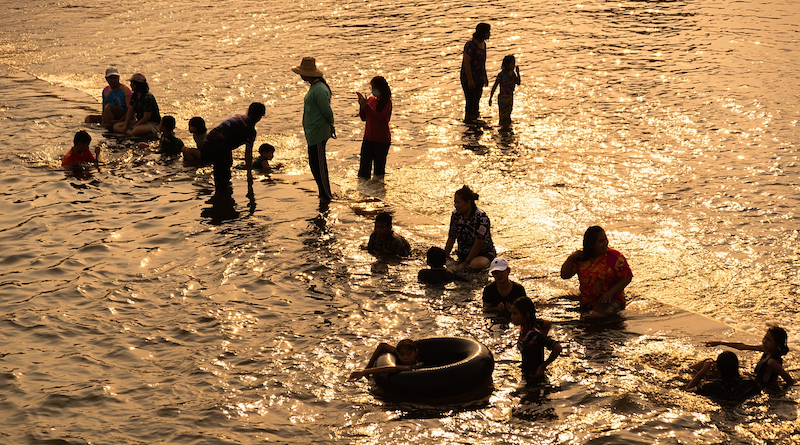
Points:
[(602, 272), (317, 123), (473, 71), (143, 110), (376, 112), (116, 100), (233, 132), (470, 227)]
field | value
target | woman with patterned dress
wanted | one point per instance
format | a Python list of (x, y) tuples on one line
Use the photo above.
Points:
[(470, 226), (602, 272)]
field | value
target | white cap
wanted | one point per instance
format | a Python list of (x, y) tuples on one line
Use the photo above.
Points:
[(112, 72), (498, 264)]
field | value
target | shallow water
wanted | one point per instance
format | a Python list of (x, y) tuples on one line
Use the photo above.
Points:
[(135, 312)]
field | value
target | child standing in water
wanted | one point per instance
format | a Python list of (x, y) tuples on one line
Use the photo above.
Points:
[(533, 339), (507, 79), (769, 366)]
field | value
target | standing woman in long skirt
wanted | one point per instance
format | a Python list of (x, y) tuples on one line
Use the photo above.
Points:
[(376, 112), (317, 123)]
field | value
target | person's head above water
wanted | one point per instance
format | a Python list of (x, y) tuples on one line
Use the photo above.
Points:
[(436, 257), (728, 366), (406, 352), (595, 242)]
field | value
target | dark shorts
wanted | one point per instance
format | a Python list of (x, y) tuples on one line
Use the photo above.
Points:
[(488, 255)]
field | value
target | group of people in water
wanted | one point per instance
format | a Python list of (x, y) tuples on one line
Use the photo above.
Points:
[(603, 273), (134, 112)]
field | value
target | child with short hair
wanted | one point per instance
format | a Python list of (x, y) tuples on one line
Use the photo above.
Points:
[(730, 385), (197, 127), (437, 274), (407, 359), (507, 80), (533, 339), (169, 143), (80, 153), (265, 154), (383, 241)]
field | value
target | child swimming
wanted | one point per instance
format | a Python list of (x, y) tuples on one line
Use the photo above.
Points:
[(770, 365), (407, 359)]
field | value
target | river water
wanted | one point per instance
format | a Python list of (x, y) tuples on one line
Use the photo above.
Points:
[(134, 312)]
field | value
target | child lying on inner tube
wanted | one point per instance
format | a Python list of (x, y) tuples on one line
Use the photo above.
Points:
[(407, 359)]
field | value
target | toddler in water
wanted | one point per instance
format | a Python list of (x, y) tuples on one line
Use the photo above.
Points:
[(407, 359), (437, 274), (769, 366), (265, 154), (80, 154), (197, 127), (507, 80), (383, 241), (533, 339), (169, 143)]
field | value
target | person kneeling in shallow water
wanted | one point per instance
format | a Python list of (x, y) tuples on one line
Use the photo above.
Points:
[(407, 359), (383, 240), (437, 273), (603, 274)]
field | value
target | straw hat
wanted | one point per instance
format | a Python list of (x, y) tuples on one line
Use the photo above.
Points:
[(308, 68)]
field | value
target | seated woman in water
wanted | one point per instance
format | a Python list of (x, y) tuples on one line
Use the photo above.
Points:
[(142, 117), (470, 226), (769, 366), (602, 272), (533, 339), (407, 359)]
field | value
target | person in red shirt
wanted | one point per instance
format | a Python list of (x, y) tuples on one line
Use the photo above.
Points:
[(80, 152), (376, 112)]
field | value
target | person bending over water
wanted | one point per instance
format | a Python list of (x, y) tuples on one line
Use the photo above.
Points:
[(407, 359), (237, 130), (533, 339), (470, 226), (602, 272), (769, 366)]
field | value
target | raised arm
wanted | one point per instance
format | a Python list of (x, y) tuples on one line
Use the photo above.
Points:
[(569, 268), (734, 345)]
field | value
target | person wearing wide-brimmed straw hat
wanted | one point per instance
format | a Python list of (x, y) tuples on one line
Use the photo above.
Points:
[(317, 122)]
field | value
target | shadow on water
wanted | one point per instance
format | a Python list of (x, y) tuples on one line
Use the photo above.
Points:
[(471, 138)]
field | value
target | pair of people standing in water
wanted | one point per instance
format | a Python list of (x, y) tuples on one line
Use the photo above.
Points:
[(474, 78), (318, 125)]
